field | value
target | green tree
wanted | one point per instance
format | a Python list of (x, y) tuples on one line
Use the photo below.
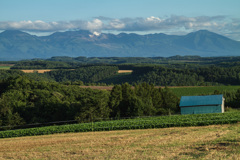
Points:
[(169, 101), (115, 100)]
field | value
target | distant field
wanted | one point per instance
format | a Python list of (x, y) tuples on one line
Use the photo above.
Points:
[(38, 71), (185, 90), (125, 71), (48, 70), (6, 66), (208, 142), (191, 91)]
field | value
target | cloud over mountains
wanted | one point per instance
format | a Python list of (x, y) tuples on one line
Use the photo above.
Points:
[(172, 25)]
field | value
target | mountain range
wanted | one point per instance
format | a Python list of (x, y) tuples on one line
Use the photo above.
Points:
[(16, 45)]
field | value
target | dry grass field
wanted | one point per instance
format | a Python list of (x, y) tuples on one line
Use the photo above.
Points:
[(48, 70), (125, 71), (208, 142), (38, 70)]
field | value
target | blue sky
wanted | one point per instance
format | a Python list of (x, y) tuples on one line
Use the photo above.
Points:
[(115, 16)]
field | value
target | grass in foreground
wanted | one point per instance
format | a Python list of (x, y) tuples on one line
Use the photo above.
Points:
[(207, 142)]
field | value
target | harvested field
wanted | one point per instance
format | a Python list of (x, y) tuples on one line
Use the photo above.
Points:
[(125, 71), (208, 142), (38, 71)]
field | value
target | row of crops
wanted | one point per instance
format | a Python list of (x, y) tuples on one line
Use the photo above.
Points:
[(136, 123)]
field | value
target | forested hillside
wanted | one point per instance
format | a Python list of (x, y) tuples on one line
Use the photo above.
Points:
[(188, 76), (86, 74), (171, 71)]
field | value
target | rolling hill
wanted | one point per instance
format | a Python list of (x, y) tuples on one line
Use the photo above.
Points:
[(15, 45)]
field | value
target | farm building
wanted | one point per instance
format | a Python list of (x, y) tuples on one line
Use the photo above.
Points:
[(202, 104)]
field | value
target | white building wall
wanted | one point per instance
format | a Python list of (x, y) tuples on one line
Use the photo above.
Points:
[(223, 99)]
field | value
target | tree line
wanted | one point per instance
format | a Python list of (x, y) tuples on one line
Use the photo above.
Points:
[(184, 75), (170, 75), (86, 74), (26, 101)]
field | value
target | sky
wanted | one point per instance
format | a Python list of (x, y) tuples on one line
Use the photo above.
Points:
[(174, 17)]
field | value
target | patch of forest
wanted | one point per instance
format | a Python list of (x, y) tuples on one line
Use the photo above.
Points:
[(25, 101), (70, 62)]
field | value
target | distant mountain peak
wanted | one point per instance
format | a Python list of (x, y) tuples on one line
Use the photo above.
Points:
[(12, 32), (204, 31), (22, 45), (15, 33)]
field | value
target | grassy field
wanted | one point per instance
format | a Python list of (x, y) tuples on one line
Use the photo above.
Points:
[(191, 91), (208, 142), (185, 90), (5, 67)]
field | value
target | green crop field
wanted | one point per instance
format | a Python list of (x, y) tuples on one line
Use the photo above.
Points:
[(5, 67), (136, 123), (192, 91)]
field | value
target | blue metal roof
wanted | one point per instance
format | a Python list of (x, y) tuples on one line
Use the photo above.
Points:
[(201, 100)]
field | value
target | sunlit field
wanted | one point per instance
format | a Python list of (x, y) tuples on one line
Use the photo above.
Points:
[(208, 142)]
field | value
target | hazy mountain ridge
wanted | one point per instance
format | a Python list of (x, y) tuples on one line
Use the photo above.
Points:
[(21, 45)]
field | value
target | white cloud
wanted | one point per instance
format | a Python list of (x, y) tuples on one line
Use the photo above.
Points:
[(96, 24), (116, 24), (173, 24), (153, 19)]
